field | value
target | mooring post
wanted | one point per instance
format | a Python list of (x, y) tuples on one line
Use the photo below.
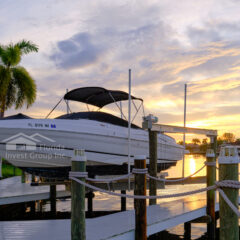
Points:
[(211, 178), (33, 178), (90, 195), (228, 170), (153, 164), (123, 201), (23, 177), (78, 226), (187, 231), (140, 204), (53, 199), (1, 161)]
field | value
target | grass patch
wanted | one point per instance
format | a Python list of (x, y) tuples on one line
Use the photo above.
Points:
[(9, 170)]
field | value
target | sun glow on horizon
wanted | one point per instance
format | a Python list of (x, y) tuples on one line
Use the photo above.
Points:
[(192, 166)]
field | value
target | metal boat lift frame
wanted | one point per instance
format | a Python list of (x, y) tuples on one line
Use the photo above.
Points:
[(150, 124)]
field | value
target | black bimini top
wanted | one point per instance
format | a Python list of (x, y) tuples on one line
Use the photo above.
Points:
[(98, 116), (97, 96)]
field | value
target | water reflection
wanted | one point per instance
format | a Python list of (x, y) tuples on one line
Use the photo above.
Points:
[(192, 164)]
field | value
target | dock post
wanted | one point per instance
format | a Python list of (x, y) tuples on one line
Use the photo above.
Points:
[(152, 165), (53, 196), (187, 231), (140, 204), (1, 161), (90, 195), (23, 177), (228, 170), (123, 201), (211, 178), (78, 225)]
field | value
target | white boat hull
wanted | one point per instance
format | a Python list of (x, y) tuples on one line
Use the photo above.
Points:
[(49, 143)]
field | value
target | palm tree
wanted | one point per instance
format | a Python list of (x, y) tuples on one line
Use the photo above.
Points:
[(195, 141), (17, 87)]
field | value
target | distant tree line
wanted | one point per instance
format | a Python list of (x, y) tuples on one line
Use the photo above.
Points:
[(201, 146)]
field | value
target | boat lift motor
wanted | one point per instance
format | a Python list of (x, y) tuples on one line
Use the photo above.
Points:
[(149, 120)]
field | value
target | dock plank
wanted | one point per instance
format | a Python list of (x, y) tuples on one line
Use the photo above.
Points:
[(116, 226)]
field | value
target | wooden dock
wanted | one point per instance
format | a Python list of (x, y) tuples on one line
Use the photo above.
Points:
[(116, 226), (13, 191)]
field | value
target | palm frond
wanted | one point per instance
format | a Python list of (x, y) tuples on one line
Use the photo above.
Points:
[(1, 50), (11, 55), (27, 46), (25, 87)]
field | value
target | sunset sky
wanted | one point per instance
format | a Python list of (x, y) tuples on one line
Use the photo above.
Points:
[(165, 43)]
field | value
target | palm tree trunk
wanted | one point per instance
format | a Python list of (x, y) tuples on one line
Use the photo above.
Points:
[(2, 109), (2, 114)]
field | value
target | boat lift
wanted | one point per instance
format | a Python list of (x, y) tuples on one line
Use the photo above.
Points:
[(150, 124)]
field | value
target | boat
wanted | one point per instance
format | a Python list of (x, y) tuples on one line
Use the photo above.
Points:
[(44, 147)]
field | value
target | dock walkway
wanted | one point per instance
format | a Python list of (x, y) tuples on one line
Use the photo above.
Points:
[(116, 226), (13, 191)]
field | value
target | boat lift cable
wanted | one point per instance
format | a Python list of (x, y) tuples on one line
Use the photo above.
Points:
[(54, 108)]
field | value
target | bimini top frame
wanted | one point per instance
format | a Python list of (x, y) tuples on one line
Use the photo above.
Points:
[(97, 96)]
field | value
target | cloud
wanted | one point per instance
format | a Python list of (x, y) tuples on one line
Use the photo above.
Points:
[(214, 31), (76, 52), (166, 44)]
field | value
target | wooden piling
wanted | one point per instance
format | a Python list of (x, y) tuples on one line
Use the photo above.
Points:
[(53, 199), (187, 231), (90, 195), (23, 177), (78, 226), (1, 161), (211, 178), (140, 204), (152, 165), (228, 219), (123, 201)]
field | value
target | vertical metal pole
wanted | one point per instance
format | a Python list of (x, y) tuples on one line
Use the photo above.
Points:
[(184, 124), (211, 178), (78, 226), (140, 204), (129, 127), (153, 164)]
